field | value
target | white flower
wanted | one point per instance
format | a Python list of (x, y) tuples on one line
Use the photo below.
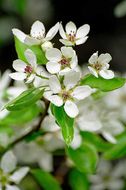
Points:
[(67, 93), (108, 177), (98, 65), (96, 117), (7, 176), (61, 61), (77, 140), (37, 34), (72, 35), (27, 71)]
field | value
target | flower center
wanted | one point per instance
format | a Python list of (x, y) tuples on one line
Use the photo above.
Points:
[(28, 69), (64, 62), (38, 35), (97, 66), (65, 95), (72, 36)]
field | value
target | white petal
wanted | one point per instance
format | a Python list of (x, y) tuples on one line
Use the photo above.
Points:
[(12, 187), (53, 54), (37, 29), (8, 162), (67, 52), (109, 137), (83, 31), (18, 76), (82, 92), (49, 124), (93, 71), (81, 40), (30, 78), (19, 65), (54, 84), (74, 62), (64, 71), (53, 31), (106, 74), (31, 57), (46, 161), (31, 41), (46, 45), (70, 27), (71, 109), (56, 100), (18, 175), (94, 58), (62, 32), (89, 125), (53, 67), (71, 79), (5, 80), (76, 141), (19, 34), (104, 58), (66, 42)]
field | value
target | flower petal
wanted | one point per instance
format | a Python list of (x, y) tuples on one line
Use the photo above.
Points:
[(106, 74), (71, 79), (8, 162), (94, 58), (66, 42), (46, 161), (93, 71), (62, 32), (53, 54), (64, 71), (81, 40), (31, 57), (18, 175), (37, 29), (83, 31), (82, 92), (19, 34), (54, 84), (53, 67), (18, 76), (70, 28), (104, 58), (56, 100), (12, 187), (71, 109), (109, 137), (67, 52), (30, 78), (19, 65), (31, 41), (53, 31), (74, 62)]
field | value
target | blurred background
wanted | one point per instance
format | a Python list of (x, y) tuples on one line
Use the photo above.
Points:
[(107, 19)]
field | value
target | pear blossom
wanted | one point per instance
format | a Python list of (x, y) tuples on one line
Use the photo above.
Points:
[(27, 71), (73, 36), (8, 175), (67, 93), (108, 176), (61, 61), (37, 34), (99, 65)]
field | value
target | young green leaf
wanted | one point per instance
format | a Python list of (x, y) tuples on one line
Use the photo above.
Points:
[(85, 157), (25, 116), (45, 180), (78, 180), (118, 150), (65, 122), (103, 84), (100, 144), (25, 99), (21, 48)]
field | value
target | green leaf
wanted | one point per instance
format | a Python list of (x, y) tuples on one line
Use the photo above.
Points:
[(21, 117), (85, 157), (118, 150), (103, 84), (96, 140), (45, 180), (21, 48), (65, 122), (27, 98), (78, 180)]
